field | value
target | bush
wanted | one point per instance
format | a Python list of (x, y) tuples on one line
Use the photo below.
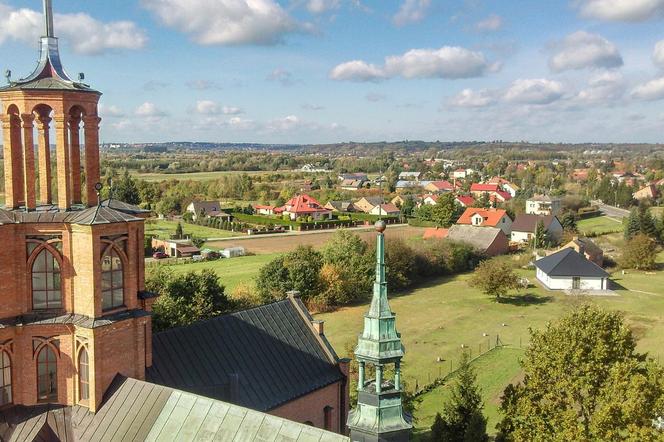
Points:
[(640, 253), (298, 270)]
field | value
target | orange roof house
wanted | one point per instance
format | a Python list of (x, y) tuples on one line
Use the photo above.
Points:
[(304, 206), (478, 217)]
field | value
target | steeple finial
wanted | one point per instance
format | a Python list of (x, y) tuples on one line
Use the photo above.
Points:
[(48, 18)]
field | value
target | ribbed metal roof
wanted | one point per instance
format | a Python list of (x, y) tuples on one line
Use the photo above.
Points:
[(258, 358)]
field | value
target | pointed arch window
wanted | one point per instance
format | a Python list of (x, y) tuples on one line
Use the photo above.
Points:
[(47, 374), (112, 280), (45, 272), (83, 375), (5, 378)]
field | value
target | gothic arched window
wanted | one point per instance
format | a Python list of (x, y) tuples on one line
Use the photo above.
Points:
[(5, 379), (47, 374), (46, 281), (112, 280), (83, 375)]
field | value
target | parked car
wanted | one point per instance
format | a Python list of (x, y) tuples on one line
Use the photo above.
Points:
[(159, 255)]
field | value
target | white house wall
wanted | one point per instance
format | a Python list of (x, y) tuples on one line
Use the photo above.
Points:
[(566, 282)]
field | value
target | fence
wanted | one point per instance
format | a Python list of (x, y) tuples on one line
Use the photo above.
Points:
[(448, 367)]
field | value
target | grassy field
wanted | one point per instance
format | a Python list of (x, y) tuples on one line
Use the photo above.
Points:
[(234, 271), (165, 228), (436, 319), (196, 176), (599, 225), (494, 370)]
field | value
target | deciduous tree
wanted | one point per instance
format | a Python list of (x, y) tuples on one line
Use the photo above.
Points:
[(584, 381), (494, 277)]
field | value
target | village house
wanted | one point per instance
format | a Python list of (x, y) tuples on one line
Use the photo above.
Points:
[(405, 185), (352, 184), (341, 206), (206, 209), (461, 173), (398, 200), (544, 205), (439, 187), (175, 248), (478, 189), (586, 247), (505, 185), (649, 192), (304, 206), (464, 200), (360, 176), (490, 241), (569, 270), (429, 200), (367, 203), (385, 210), (477, 217), (262, 209), (524, 227)]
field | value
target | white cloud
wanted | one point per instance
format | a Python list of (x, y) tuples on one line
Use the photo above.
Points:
[(321, 6), (411, 11), (209, 107), (471, 98), (110, 111), (85, 34), (149, 110), (658, 54), (621, 10), (226, 22), (650, 91), (603, 87), (357, 70), (491, 24), (447, 62), (241, 123), (535, 91), (581, 50), (287, 123), (282, 76)]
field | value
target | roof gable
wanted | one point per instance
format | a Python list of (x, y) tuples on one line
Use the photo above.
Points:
[(528, 222), (492, 217)]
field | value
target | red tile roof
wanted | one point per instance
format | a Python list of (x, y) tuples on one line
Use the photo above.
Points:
[(484, 187), (442, 185), (504, 196), (435, 233), (303, 204), (466, 200), (491, 217)]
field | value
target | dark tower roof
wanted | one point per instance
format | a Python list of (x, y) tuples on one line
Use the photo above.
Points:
[(49, 73)]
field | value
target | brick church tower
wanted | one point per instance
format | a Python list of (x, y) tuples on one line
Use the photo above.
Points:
[(74, 312)]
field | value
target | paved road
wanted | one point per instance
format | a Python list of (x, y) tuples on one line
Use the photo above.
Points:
[(612, 211)]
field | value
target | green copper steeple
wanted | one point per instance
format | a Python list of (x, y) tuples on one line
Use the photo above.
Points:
[(379, 415)]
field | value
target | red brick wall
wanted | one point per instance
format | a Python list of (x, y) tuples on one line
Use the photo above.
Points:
[(310, 408)]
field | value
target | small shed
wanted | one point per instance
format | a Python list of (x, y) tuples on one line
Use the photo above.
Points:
[(233, 252), (569, 270)]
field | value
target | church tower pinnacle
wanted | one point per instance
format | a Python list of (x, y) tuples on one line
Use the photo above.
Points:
[(379, 415)]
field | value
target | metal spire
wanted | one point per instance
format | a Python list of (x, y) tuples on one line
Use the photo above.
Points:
[(48, 18)]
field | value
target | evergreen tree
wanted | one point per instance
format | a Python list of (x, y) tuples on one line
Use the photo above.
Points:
[(179, 232), (540, 235), (568, 221), (462, 418), (633, 226), (437, 429), (647, 224), (408, 206)]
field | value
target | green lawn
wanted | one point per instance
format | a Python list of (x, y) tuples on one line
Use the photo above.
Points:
[(494, 370), (436, 319), (165, 228), (234, 271), (599, 225), (195, 176)]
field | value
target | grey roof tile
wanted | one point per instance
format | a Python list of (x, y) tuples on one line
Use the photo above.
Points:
[(568, 262), (270, 350)]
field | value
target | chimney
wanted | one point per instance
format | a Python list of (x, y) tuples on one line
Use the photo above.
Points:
[(293, 294), (319, 326)]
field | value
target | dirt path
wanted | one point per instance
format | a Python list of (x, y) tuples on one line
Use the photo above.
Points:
[(281, 244)]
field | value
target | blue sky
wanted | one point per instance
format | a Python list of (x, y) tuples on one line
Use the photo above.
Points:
[(320, 71)]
